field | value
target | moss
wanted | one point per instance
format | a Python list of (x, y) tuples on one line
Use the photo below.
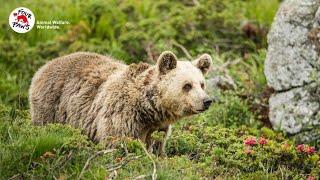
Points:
[(268, 133), (184, 143)]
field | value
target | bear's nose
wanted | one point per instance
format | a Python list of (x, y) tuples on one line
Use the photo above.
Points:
[(207, 103)]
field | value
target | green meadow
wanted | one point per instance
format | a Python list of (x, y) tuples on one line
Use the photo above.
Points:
[(210, 145)]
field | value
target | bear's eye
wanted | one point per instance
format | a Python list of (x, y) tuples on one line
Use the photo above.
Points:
[(202, 85), (187, 87)]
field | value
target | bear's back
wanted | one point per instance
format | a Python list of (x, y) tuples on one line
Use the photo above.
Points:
[(64, 88)]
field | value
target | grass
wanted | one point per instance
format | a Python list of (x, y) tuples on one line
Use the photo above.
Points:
[(209, 145), (196, 149)]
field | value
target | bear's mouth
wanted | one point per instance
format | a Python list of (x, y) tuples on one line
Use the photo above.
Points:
[(197, 111), (200, 110)]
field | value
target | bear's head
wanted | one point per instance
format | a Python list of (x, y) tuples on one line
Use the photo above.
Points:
[(182, 84)]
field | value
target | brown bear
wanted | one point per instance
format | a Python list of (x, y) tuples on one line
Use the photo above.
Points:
[(104, 97)]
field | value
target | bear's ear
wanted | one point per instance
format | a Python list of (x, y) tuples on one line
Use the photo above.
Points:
[(166, 62), (204, 63)]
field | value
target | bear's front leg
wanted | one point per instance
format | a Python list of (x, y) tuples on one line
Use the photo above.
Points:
[(149, 142), (168, 131), (156, 146)]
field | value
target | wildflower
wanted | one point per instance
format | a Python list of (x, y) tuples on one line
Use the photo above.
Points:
[(285, 146), (310, 150), (300, 148), (306, 149), (47, 155), (262, 141), (248, 151), (311, 178), (250, 141)]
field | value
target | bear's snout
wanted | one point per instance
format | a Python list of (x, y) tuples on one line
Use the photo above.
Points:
[(207, 102)]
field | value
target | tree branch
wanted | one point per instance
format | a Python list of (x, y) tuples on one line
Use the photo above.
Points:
[(154, 174), (99, 153), (184, 50)]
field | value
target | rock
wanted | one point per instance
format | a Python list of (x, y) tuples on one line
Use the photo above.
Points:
[(296, 110), (292, 67), (221, 82)]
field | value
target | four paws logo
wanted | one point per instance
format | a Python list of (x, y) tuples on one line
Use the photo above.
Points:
[(21, 20)]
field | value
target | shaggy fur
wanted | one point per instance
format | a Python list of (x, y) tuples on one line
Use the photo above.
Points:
[(104, 97)]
